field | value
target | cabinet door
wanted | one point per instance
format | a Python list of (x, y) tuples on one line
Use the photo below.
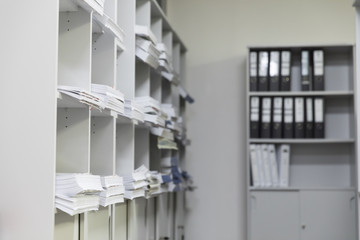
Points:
[(328, 215), (275, 215)]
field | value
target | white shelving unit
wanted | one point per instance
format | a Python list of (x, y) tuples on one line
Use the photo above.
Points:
[(103, 142), (320, 202)]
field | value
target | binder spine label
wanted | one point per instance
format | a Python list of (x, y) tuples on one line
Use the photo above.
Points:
[(264, 64), (285, 63), (254, 109), (266, 110), (288, 110), (299, 110), (277, 109), (319, 110), (253, 64), (318, 63), (274, 64), (309, 110), (305, 76)]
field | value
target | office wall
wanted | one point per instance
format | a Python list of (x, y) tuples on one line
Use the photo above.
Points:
[(217, 34)]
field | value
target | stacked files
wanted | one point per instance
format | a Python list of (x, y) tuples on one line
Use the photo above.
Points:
[(112, 98), (165, 63), (151, 109), (108, 25), (270, 168), (171, 121), (185, 95), (165, 143), (82, 96), (162, 132), (145, 46), (92, 5), (136, 183), (114, 190), (134, 111), (76, 193), (154, 179)]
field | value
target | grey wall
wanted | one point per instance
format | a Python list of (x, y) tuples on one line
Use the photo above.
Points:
[(217, 34)]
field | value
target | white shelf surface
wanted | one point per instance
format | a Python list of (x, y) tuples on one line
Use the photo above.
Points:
[(304, 93), (301, 141), (65, 101), (291, 189)]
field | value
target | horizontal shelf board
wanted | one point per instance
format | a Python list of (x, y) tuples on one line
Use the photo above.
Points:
[(65, 101), (322, 46), (123, 120), (289, 189), (301, 141), (67, 6), (305, 94)]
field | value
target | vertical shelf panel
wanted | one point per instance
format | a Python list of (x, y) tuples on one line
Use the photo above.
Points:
[(124, 149), (66, 226), (150, 219), (103, 59), (166, 96), (142, 79), (74, 66), (137, 219), (73, 140), (102, 153), (156, 27), (98, 224), (168, 41), (120, 222), (125, 74), (142, 147), (155, 86), (143, 13)]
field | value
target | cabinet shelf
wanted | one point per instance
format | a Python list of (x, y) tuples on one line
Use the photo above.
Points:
[(303, 94), (301, 141), (289, 189)]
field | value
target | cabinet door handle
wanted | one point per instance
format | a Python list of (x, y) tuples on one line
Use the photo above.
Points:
[(303, 226)]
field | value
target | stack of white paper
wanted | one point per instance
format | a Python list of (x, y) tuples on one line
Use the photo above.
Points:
[(162, 132), (114, 190), (112, 98), (77, 193), (136, 183), (145, 46), (164, 143), (110, 26), (83, 96), (154, 187), (134, 111), (171, 121), (151, 109), (96, 5), (165, 62)]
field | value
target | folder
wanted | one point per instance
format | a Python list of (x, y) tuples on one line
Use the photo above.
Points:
[(254, 166), (273, 165), (288, 118), (263, 84), (305, 70), (266, 117), (319, 118), (254, 117), (260, 165), (284, 165), (274, 70), (266, 165), (277, 118), (299, 117), (309, 119), (253, 71), (285, 71), (318, 66)]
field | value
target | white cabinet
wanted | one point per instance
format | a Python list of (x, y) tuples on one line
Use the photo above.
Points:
[(328, 215), (303, 215), (275, 215)]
